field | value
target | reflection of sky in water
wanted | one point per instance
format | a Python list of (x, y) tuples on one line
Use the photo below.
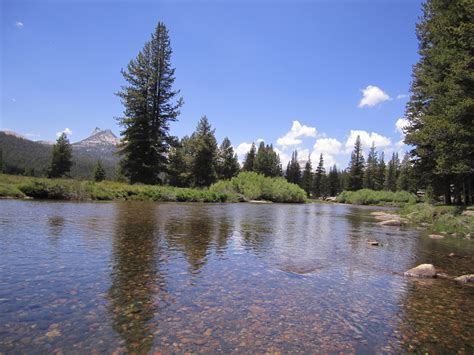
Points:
[(229, 277)]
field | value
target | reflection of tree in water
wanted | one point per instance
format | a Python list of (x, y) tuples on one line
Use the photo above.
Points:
[(56, 225), (196, 234), (136, 277)]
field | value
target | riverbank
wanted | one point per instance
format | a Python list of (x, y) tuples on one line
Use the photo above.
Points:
[(452, 220), (244, 187)]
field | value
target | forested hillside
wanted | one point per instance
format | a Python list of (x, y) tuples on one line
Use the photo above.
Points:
[(25, 157)]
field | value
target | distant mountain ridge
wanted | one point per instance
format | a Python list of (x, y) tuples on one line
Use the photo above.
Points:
[(24, 156)]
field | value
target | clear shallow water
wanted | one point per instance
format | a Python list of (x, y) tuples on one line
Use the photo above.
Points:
[(242, 278)]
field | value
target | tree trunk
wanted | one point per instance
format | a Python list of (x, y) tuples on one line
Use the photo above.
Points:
[(447, 191)]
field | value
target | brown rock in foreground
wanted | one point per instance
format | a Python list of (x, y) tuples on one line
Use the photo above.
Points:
[(436, 236), (423, 270)]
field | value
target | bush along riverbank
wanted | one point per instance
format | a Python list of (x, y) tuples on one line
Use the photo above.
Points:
[(255, 186), (372, 197), (250, 186), (453, 220)]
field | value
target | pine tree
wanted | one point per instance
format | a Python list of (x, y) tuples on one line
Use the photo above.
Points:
[(405, 181), (380, 175), (250, 159), (356, 167), (99, 172), (150, 105), (391, 174), (318, 187), (441, 127), (293, 170), (370, 173), (227, 162), (178, 172), (267, 161), (307, 178), (334, 181), (61, 161), (205, 156)]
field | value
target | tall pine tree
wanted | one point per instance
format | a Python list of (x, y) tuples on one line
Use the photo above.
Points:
[(307, 178), (370, 174), (150, 105), (334, 181), (441, 106), (249, 161), (227, 162), (205, 155), (319, 177), (293, 169), (61, 161), (356, 167)]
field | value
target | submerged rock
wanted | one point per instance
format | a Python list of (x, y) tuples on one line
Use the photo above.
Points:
[(393, 222), (373, 243), (436, 236), (423, 270), (465, 278)]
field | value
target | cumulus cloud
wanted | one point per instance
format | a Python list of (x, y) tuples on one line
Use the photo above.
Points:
[(401, 124), (242, 149), (366, 140), (297, 130), (327, 146), (67, 131), (373, 95), (19, 24)]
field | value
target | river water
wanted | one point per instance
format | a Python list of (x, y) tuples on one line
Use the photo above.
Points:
[(235, 278)]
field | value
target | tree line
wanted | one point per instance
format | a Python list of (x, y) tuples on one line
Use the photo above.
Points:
[(440, 128)]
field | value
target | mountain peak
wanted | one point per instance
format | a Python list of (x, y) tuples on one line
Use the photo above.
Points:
[(99, 137), (95, 131)]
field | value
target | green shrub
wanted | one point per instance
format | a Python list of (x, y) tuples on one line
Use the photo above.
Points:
[(253, 186), (371, 197), (10, 191)]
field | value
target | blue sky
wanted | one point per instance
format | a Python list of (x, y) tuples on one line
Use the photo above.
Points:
[(337, 68)]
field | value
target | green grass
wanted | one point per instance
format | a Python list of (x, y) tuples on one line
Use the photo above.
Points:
[(253, 186), (441, 219), (371, 197), (69, 189), (245, 186)]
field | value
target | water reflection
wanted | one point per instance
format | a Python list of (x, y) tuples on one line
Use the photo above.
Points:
[(140, 277), (136, 276)]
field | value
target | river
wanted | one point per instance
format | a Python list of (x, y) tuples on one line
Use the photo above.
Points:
[(234, 278)]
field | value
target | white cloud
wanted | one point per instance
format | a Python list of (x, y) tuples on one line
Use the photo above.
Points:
[(401, 124), (327, 146), (373, 95), (67, 131), (242, 149), (19, 24), (401, 96), (297, 130), (32, 135), (366, 140), (13, 100), (258, 141)]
